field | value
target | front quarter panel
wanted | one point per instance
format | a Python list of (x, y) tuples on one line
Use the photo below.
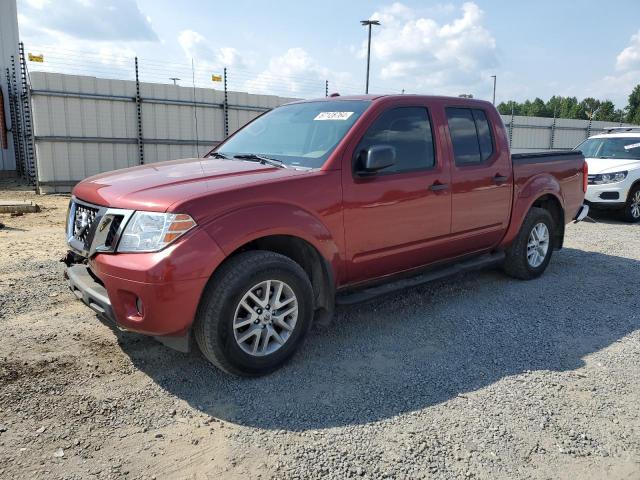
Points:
[(250, 223)]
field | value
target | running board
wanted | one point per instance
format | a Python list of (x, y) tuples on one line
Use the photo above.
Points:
[(369, 293)]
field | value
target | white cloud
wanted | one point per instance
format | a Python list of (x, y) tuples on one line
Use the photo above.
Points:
[(94, 20), (418, 52), (39, 4), (619, 85), (294, 71), (296, 74), (196, 46), (629, 58)]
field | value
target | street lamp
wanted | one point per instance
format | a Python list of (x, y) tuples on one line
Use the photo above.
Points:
[(369, 23), (494, 88)]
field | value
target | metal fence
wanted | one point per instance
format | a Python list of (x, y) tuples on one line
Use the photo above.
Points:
[(21, 118), (86, 125), (532, 134), (111, 112)]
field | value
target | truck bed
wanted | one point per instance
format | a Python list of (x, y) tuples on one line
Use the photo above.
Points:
[(538, 157), (561, 172)]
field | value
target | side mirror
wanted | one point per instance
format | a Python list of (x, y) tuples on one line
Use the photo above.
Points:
[(377, 157)]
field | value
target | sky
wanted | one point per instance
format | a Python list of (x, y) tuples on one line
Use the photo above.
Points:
[(535, 48)]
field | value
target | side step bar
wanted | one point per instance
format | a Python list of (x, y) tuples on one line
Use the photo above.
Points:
[(369, 293)]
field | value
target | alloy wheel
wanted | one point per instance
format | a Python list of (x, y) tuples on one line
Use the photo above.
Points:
[(538, 245), (265, 318), (635, 205)]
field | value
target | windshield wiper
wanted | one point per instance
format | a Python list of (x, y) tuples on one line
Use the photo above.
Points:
[(254, 157), (218, 155)]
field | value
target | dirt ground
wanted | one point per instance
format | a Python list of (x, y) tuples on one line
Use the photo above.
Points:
[(479, 376)]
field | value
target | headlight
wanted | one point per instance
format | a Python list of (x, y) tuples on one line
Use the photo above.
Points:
[(602, 178), (152, 231)]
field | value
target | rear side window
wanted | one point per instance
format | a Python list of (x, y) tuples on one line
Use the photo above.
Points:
[(470, 135), (408, 130)]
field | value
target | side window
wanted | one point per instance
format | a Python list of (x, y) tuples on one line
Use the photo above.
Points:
[(470, 135), (408, 130), (484, 134)]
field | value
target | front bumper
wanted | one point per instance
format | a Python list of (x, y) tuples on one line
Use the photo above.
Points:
[(87, 289), (607, 194), (153, 293)]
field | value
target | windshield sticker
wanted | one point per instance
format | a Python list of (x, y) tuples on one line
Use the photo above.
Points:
[(333, 115), (633, 145)]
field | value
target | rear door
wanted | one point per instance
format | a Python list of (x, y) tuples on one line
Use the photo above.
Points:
[(481, 178), (392, 217)]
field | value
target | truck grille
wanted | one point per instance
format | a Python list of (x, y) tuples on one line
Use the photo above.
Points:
[(92, 228), (83, 221), (114, 226)]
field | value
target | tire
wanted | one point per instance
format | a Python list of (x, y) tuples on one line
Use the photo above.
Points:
[(631, 212), (519, 264), (219, 329)]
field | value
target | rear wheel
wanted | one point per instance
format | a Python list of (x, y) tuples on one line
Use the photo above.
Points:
[(254, 313), (530, 253), (631, 212)]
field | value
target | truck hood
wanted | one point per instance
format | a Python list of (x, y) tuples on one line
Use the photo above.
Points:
[(157, 186), (610, 165)]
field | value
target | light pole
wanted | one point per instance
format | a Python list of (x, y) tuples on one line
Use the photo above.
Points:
[(369, 23), (494, 88), (175, 79)]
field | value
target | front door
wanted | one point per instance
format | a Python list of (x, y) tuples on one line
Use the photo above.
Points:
[(391, 217)]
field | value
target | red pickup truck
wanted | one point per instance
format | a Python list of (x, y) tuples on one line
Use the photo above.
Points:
[(313, 203)]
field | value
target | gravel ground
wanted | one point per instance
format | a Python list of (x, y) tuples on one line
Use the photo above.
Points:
[(479, 376)]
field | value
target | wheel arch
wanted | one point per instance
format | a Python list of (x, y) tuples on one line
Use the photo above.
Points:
[(635, 184), (305, 254), (552, 204), (549, 200)]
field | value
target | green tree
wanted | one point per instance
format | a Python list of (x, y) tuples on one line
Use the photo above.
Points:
[(537, 108), (590, 106), (505, 108), (607, 112), (619, 115), (570, 108), (633, 108)]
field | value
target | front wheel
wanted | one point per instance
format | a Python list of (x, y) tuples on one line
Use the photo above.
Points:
[(530, 252), (254, 313), (631, 212)]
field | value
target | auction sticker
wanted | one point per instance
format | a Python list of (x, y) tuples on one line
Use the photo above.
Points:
[(633, 145), (333, 115)]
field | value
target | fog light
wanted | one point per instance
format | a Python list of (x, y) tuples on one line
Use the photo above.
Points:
[(139, 307)]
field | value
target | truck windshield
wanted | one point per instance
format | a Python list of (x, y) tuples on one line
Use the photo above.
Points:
[(299, 135), (611, 147)]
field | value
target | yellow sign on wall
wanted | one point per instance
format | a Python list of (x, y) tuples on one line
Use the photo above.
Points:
[(36, 58), (216, 78)]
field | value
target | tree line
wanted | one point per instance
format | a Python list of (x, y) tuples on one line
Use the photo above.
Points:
[(570, 107)]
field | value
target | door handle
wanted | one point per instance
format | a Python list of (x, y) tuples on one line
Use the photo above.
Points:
[(437, 187), (500, 178)]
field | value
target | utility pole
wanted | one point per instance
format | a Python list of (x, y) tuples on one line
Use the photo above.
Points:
[(494, 88), (175, 80), (369, 23)]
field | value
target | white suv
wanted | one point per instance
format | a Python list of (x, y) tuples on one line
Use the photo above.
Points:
[(614, 170)]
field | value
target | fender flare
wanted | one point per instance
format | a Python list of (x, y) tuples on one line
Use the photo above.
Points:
[(535, 188), (241, 226)]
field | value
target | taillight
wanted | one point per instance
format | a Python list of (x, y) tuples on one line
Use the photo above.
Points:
[(585, 176)]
